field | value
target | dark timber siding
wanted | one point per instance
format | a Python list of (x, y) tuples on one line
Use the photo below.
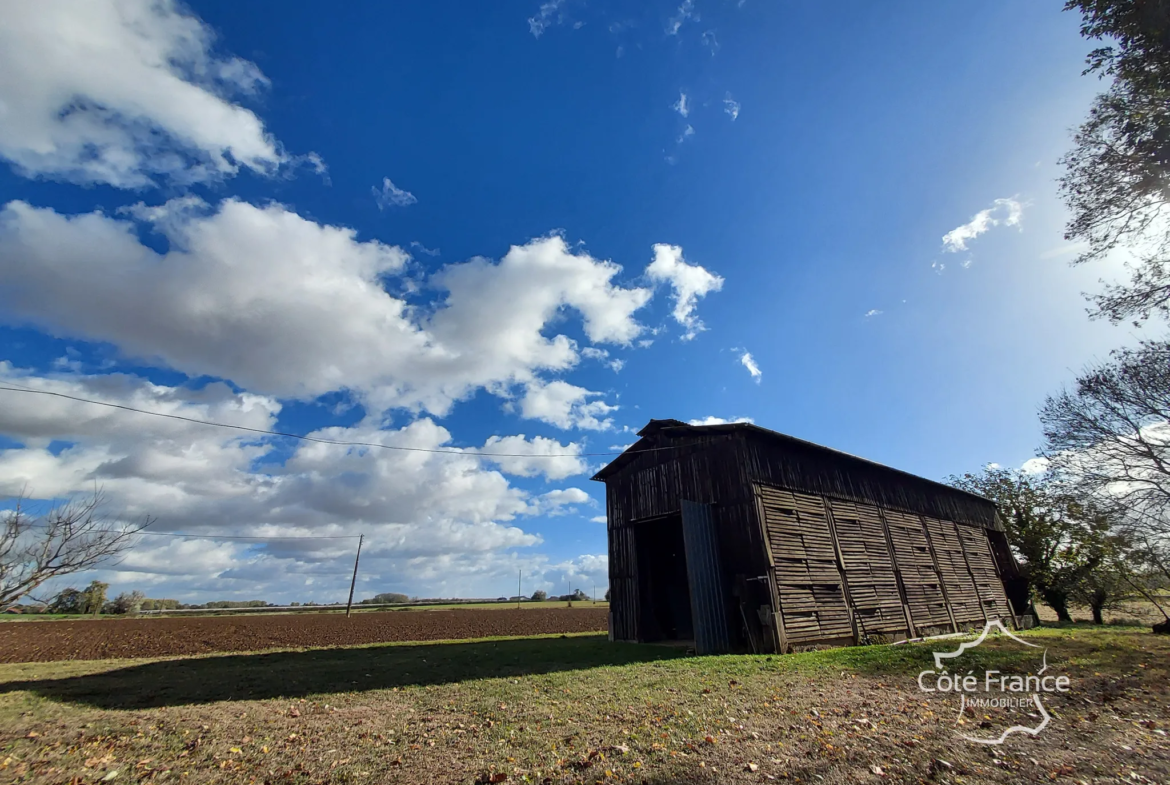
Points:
[(826, 547)]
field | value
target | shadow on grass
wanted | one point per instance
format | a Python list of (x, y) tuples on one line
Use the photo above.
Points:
[(297, 674)]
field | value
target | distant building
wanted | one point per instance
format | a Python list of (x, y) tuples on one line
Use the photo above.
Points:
[(740, 538)]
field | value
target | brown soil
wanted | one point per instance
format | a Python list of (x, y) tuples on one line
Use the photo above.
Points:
[(123, 638)]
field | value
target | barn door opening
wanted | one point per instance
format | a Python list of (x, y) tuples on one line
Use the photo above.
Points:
[(665, 600), (705, 576)]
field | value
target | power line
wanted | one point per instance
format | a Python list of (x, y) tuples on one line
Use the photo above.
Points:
[(435, 450), (212, 536)]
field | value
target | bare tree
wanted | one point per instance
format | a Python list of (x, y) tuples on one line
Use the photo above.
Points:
[(70, 538), (1109, 437)]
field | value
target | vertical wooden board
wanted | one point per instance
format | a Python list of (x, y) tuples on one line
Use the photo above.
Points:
[(960, 588), (873, 586), (924, 594), (808, 584), (988, 583)]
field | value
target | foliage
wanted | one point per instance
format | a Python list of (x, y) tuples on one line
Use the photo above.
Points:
[(149, 604), (68, 601), (540, 595), (70, 538), (129, 604), (95, 597), (1117, 181), (1059, 540), (386, 598)]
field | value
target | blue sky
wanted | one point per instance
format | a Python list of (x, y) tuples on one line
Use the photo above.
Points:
[(514, 227)]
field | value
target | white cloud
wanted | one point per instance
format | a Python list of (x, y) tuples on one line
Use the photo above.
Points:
[(416, 245), (391, 195), (599, 519), (287, 307), (681, 105), (938, 267), (689, 282), (720, 421), (561, 501), (535, 458), (547, 15), (710, 41), (687, 133), (685, 12), (1008, 211), (430, 520), (566, 406), (750, 364), (125, 92), (731, 106), (601, 355), (873, 312), (1035, 466)]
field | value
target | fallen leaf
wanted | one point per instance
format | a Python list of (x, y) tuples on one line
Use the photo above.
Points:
[(752, 767)]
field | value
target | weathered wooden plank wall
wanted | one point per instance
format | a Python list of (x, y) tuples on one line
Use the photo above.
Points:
[(858, 549)]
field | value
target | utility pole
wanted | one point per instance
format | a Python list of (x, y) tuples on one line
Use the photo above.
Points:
[(519, 578), (353, 581)]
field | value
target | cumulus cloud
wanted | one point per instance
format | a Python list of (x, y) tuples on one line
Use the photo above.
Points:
[(287, 307), (566, 406), (534, 456), (731, 107), (689, 282), (720, 421), (1008, 211), (681, 105), (125, 92), (390, 195), (561, 501), (434, 520), (748, 362)]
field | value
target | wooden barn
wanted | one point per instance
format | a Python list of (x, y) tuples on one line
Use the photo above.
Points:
[(743, 539)]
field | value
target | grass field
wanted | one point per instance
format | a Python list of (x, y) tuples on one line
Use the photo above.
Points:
[(576, 709)]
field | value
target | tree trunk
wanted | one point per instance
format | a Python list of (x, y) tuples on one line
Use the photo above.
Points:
[(1097, 617), (1058, 601)]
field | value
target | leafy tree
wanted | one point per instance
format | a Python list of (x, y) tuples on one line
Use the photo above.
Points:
[(387, 598), (68, 601), (1058, 539), (129, 604), (607, 595), (1117, 180), (95, 597), (540, 595), (70, 538)]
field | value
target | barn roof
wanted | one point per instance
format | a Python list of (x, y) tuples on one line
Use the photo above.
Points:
[(673, 429)]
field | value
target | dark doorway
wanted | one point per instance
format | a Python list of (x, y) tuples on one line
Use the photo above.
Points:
[(663, 588)]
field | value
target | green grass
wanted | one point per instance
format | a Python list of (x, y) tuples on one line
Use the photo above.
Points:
[(569, 708)]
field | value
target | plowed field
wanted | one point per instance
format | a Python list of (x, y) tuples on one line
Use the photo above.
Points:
[(115, 639)]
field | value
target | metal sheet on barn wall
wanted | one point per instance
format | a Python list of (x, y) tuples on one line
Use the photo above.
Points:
[(705, 576)]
